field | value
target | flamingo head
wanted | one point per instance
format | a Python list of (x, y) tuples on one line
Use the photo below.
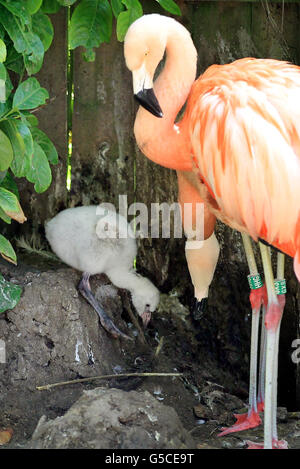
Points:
[(144, 48), (145, 298)]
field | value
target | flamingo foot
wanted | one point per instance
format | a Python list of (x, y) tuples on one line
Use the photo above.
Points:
[(276, 444), (244, 422)]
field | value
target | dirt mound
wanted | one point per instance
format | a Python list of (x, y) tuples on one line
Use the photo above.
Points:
[(114, 419)]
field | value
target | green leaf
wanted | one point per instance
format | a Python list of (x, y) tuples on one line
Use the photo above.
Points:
[(22, 144), (21, 161), (14, 28), (5, 107), (30, 95), (50, 6), (11, 206), (6, 152), (117, 7), (42, 26), (91, 24), (25, 41), (17, 8), (46, 144), (29, 119), (8, 201), (2, 51), (9, 183), (2, 83), (134, 11), (39, 172), (7, 249), (10, 293), (3, 73), (170, 6), (33, 6), (34, 55), (26, 135), (6, 85), (14, 60), (5, 217)]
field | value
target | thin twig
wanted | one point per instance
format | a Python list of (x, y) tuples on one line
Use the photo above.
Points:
[(121, 375), (159, 347)]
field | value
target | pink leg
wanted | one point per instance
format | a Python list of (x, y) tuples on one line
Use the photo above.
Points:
[(272, 323), (262, 356), (251, 419)]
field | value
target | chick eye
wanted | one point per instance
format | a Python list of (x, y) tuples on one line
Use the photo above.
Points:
[(146, 53), (147, 305)]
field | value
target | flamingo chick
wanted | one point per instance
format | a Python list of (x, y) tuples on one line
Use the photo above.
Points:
[(95, 242), (239, 142)]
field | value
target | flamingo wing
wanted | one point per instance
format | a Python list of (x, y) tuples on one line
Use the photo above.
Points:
[(244, 124)]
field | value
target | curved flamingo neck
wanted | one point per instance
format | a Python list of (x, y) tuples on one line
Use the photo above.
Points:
[(158, 138)]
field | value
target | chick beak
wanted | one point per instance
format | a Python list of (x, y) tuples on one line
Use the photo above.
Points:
[(146, 316)]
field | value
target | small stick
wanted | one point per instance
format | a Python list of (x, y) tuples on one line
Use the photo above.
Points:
[(121, 375), (159, 347)]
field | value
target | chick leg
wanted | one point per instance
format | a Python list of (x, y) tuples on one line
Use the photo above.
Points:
[(85, 290)]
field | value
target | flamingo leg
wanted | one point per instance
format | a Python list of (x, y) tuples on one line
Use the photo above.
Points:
[(262, 363), (281, 300), (85, 290), (251, 419), (272, 323)]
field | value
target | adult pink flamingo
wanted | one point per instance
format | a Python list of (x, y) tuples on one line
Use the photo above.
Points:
[(237, 148)]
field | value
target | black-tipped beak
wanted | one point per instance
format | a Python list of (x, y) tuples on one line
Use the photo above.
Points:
[(199, 309), (148, 100)]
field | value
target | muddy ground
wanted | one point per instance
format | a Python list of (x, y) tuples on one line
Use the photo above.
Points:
[(53, 335)]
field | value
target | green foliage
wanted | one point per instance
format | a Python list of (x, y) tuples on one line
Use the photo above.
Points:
[(6, 249), (117, 7), (6, 151), (26, 33), (33, 6), (170, 6), (91, 24), (2, 51), (29, 95), (133, 11), (9, 292), (91, 21), (50, 6)]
